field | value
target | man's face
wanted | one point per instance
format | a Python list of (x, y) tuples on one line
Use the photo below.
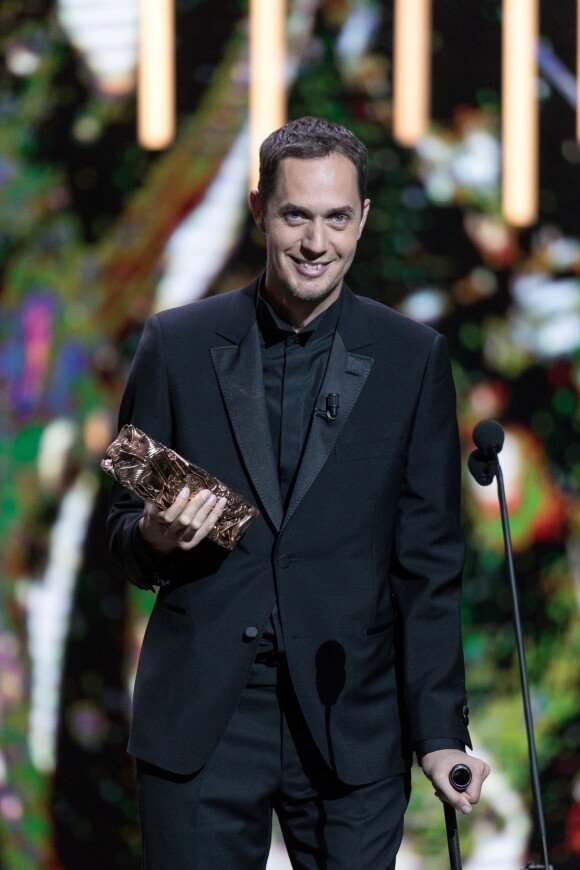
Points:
[(312, 221)]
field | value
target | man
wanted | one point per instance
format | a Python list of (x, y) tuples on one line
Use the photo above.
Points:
[(298, 671)]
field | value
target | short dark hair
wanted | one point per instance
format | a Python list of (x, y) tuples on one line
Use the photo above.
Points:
[(308, 138)]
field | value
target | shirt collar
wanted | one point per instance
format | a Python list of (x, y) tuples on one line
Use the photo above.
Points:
[(274, 328)]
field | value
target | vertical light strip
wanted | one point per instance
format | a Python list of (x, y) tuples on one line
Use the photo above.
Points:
[(520, 111), (267, 74), (156, 76), (578, 70), (411, 70)]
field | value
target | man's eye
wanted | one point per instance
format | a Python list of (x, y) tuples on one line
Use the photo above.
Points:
[(293, 216), (340, 219)]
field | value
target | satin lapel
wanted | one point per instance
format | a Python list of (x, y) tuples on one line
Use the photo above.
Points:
[(346, 374), (239, 372)]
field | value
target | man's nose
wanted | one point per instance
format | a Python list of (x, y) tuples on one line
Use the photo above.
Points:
[(314, 238)]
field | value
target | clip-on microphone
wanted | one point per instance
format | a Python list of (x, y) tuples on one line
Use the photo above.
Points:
[(331, 412)]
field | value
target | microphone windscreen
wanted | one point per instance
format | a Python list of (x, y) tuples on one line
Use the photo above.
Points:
[(481, 468), (488, 436)]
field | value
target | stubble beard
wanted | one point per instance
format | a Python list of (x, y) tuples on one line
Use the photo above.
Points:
[(311, 299)]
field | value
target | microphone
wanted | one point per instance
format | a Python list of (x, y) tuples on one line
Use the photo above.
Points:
[(332, 406), (331, 411), (482, 469), (484, 465), (488, 436)]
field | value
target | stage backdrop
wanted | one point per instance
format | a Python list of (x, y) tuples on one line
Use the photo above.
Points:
[(95, 233)]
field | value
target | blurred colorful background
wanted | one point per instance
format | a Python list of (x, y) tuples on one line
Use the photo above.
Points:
[(96, 232)]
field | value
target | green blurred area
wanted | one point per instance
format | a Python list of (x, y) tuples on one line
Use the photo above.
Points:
[(67, 210)]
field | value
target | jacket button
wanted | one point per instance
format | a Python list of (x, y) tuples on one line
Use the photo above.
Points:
[(283, 560), (251, 632)]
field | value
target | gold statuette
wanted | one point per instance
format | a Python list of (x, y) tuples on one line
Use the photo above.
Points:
[(158, 474)]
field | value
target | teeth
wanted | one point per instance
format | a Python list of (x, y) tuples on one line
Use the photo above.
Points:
[(312, 267)]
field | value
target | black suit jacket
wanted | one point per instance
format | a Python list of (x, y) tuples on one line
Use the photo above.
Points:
[(366, 560)]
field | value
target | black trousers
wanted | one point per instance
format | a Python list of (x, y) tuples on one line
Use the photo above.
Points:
[(220, 818)]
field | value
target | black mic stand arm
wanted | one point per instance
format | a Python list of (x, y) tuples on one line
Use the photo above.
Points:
[(523, 674)]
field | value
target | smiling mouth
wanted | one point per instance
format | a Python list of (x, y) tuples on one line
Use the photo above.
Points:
[(310, 268)]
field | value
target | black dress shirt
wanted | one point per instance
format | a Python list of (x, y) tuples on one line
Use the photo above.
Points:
[(293, 365)]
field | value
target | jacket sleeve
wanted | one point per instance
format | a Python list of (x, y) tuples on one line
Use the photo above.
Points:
[(146, 404), (428, 562)]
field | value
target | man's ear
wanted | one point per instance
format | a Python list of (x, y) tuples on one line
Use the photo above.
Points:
[(364, 216), (257, 209)]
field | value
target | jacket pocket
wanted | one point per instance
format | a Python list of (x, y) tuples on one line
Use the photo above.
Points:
[(379, 629)]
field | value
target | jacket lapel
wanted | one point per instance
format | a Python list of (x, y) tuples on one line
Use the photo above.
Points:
[(238, 367), (346, 374)]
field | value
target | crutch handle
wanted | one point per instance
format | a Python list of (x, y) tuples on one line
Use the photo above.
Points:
[(460, 777)]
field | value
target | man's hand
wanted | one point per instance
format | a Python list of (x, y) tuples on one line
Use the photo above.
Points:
[(437, 767), (182, 525)]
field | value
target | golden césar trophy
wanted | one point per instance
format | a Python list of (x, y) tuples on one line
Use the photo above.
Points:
[(158, 474)]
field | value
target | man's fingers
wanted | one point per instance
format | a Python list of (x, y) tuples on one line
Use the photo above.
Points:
[(202, 524), (187, 521), (480, 773), (185, 509), (473, 793), (192, 518), (438, 767), (463, 800), (180, 504), (456, 799), (198, 509)]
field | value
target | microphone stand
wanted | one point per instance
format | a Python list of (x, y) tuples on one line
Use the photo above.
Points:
[(488, 467)]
